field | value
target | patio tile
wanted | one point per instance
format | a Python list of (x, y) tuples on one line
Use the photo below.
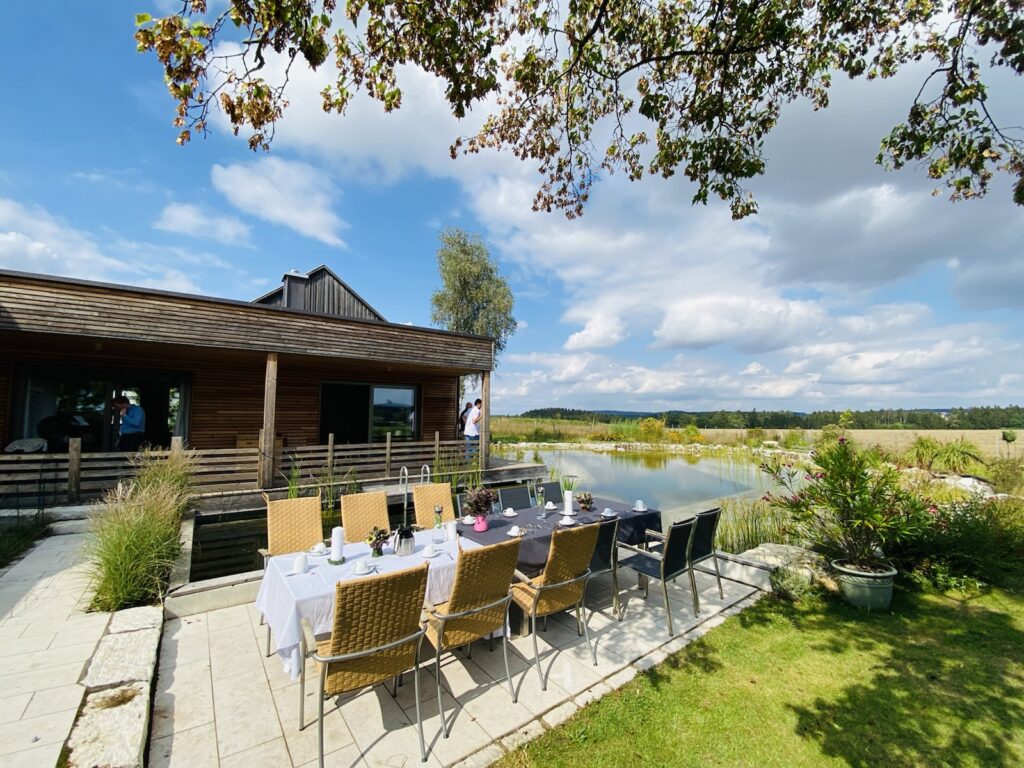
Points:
[(12, 707), (44, 659), (302, 745), (46, 755), (244, 712), (183, 699), (465, 736), (41, 679), (55, 700), (20, 646), (235, 616), (233, 651), (484, 700), (560, 714), (346, 757), (35, 732), (381, 729), (195, 748), (272, 754)]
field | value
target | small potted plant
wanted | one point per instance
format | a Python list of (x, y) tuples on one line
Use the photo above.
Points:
[(585, 500), (849, 509), (478, 503), (377, 539)]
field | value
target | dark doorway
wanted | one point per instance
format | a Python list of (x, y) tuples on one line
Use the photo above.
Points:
[(345, 411)]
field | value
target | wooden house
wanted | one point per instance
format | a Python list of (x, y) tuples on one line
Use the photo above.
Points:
[(305, 361)]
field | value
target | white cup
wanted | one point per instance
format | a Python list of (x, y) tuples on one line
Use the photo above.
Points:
[(509, 512), (319, 548), (608, 512), (639, 505), (549, 505), (361, 567), (428, 551), (300, 563), (566, 520), (514, 530)]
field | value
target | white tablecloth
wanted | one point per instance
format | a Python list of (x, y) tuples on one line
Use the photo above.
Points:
[(284, 600)]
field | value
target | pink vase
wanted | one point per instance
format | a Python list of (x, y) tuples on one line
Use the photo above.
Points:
[(481, 524)]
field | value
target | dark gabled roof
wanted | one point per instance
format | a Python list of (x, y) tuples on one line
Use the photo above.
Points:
[(335, 298)]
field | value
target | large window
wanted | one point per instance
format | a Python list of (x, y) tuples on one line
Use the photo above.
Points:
[(366, 413), (394, 411)]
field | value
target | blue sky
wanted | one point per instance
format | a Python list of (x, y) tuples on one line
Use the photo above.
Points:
[(852, 288)]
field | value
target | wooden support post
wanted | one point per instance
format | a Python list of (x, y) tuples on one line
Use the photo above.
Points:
[(485, 418), (177, 443), (74, 468), (437, 450), (387, 457), (265, 476), (330, 454)]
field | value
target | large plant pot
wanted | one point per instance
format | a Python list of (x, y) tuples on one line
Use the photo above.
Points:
[(865, 589)]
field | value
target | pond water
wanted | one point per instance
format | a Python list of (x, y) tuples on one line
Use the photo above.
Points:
[(663, 480)]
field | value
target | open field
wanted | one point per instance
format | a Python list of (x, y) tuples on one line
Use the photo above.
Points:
[(506, 428)]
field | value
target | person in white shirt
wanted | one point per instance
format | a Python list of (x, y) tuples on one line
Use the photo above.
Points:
[(472, 430)]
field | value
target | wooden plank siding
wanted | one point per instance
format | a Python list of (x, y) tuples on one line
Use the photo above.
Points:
[(31, 303), (226, 387)]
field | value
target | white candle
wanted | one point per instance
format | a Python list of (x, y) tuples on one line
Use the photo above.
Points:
[(567, 496), (337, 542)]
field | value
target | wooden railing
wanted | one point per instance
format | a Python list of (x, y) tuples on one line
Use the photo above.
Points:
[(57, 478)]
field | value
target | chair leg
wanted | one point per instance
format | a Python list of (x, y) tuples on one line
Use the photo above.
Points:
[(718, 575), (320, 715), (693, 591), (536, 656), (647, 587), (302, 694), (668, 608), (616, 605), (416, 691), (508, 673), (490, 639), (579, 621), (440, 705), (586, 634), (268, 641)]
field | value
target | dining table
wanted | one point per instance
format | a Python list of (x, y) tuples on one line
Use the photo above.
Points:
[(286, 597), (537, 524)]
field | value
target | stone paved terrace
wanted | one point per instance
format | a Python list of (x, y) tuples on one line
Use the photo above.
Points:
[(220, 702), (46, 640)]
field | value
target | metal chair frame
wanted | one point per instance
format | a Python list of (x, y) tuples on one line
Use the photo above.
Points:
[(580, 622), (613, 569), (325, 661), (446, 617), (643, 580)]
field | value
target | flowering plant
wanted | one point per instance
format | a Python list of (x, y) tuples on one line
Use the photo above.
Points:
[(847, 508), (377, 539), (586, 500), (479, 501)]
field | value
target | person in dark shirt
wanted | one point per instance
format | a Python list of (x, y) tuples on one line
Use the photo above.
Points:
[(133, 424)]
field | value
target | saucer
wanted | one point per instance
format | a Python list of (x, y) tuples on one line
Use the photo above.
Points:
[(436, 553), (640, 509), (467, 520), (609, 513), (506, 513), (515, 534), (571, 522), (550, 506)]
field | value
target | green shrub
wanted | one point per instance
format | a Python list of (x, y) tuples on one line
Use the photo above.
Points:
[(754, 437), (1007, 475), (793, 438), (957, 456), (136, 534), (791, 586), (922, 452), (746, 523), (978, 538)]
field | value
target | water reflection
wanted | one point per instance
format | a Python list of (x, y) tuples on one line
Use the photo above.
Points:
[(662, 479)]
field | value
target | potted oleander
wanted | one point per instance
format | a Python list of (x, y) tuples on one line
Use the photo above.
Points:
[(849, 508)]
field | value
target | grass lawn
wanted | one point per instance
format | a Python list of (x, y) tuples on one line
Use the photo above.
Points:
[(939, 681)]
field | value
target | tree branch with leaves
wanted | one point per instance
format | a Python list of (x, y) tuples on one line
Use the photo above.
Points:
[(655, 87)]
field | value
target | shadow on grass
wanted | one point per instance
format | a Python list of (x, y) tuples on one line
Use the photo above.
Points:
[(946, 686)]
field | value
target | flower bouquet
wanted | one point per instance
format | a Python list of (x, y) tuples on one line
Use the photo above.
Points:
[(479, 503), (377, 539), (585, 500)]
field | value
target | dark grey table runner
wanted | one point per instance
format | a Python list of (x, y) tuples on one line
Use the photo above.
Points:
[(536, 541)]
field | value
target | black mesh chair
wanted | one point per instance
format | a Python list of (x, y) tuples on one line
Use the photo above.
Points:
[(459, 498), (517, 497), (703, 547), (673, 561), (605, 559), (552, 492)]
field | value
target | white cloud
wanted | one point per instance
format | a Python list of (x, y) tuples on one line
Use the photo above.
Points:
[(600, 331), (753, 369), (191, 220), (286, 192)]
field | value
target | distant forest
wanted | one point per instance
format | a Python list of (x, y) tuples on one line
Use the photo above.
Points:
[(986, 417)]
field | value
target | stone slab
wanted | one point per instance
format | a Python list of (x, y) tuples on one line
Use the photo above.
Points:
[(131, 619), (111, 731), (69, 527), (123, 658)]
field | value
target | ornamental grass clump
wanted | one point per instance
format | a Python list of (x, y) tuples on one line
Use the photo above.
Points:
[(847, 507), (136, 535)]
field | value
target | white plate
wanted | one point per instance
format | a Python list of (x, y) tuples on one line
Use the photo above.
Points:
[(571, 522), (367, 572), (510, 514), (609, 514), (550, 506), (467, 520), (436, 553), (516, 535), (639, 509)]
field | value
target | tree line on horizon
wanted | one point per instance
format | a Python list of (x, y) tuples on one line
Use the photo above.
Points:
[(981, 417)]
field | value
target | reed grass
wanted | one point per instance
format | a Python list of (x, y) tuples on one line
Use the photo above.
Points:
[(136, 535), (747, 523)]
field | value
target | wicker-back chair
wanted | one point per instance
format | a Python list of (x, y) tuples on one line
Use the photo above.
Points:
[(376, 636), (477, 607), (426, 496), (362, 512), (293, 525), (561, 585)]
